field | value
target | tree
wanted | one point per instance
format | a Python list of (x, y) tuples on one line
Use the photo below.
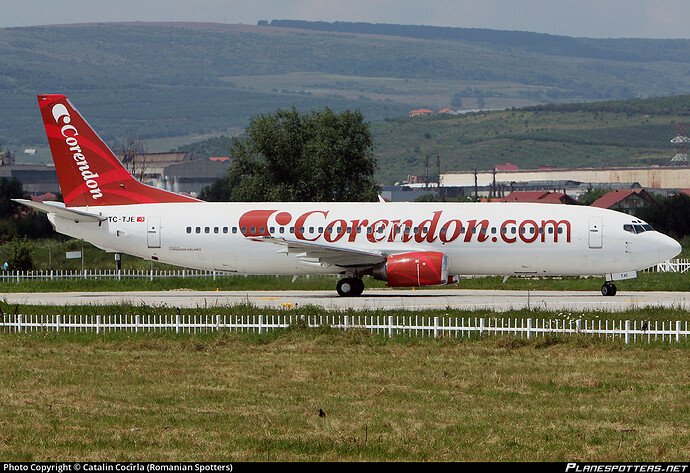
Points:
[(18, 254), (289, 156), (670, 215), (592, 194), (10, 189)]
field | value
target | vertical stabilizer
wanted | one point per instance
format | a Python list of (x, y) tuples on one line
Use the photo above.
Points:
[(89, 172)]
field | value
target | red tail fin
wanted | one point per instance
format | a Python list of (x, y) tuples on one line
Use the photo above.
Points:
[(88, 171)]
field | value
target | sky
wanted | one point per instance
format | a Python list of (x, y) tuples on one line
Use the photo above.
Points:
[(583, 18)]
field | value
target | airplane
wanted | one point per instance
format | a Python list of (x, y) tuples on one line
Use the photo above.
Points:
[(405, 244)]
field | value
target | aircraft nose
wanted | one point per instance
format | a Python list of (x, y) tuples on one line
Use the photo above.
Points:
[(668, 248)]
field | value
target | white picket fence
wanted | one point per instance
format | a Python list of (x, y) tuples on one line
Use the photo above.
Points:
[(17, 276), (393, 325), (675, 265), (680, 265)]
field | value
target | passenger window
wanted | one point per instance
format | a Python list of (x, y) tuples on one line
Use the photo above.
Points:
[(207, 229), (215, 230), (198, 229), (189, 229), (225, 229)]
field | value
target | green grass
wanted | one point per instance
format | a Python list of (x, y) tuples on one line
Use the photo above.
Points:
[(224, 397)]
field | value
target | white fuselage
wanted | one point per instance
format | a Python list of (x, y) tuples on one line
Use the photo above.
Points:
[(478, 238)]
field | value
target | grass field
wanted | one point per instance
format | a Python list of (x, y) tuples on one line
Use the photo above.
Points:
[(644, 282), (246, 397)]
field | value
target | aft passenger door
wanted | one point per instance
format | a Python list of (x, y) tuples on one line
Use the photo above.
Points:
[(596, 232), (153, 232)]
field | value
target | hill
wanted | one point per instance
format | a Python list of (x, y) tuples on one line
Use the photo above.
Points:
[(609, 133), (635, 132), (182, 79)]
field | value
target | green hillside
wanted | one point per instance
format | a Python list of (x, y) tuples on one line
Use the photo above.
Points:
[(171, 82), (608, 133)]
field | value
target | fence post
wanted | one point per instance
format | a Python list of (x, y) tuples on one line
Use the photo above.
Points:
[(627, 331), (481, 326), (347, 322), (20, 319), (390, 326), (435, 327), (136, 322), (261, 323), (98, 324), (529, 328), (58, 319), (678, 330), (177, 323)]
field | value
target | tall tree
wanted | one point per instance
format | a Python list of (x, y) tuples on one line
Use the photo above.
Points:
[(291, 156)]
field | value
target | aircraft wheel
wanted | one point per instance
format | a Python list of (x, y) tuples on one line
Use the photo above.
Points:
[(350, 287), (608, 289), (359, 286)]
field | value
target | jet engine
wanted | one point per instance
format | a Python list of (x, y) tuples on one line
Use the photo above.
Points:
[(419, 268)]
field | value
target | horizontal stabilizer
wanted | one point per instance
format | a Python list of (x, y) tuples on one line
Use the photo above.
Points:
[(60, 210)]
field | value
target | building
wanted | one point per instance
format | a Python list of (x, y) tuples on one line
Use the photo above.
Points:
[(180, 172), (542, 197), (626, 201), (421, 112), (36, 179), (654, 177)]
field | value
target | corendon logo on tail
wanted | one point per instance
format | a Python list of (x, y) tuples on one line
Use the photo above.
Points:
[(70, 133), (316, 225)]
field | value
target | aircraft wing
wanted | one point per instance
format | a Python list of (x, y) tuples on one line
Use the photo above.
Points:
[(316, 253), (61, 211)]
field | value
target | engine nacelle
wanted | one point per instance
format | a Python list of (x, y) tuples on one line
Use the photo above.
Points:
[(419, 268)]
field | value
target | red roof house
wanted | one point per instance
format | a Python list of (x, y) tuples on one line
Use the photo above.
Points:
[(624, 200), (506, 167), (542, 197)]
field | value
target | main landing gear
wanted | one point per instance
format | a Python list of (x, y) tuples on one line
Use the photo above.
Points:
[(350, 287), (608, 289)]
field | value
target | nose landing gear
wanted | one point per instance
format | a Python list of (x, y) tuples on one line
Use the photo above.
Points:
[(608, 289)]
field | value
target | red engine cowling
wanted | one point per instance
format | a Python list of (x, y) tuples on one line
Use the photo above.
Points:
[(419, 268)]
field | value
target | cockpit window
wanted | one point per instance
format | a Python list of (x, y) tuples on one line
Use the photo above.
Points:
[(637, 227)]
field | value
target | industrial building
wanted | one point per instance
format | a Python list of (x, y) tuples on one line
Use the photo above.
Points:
[(569, 181)]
